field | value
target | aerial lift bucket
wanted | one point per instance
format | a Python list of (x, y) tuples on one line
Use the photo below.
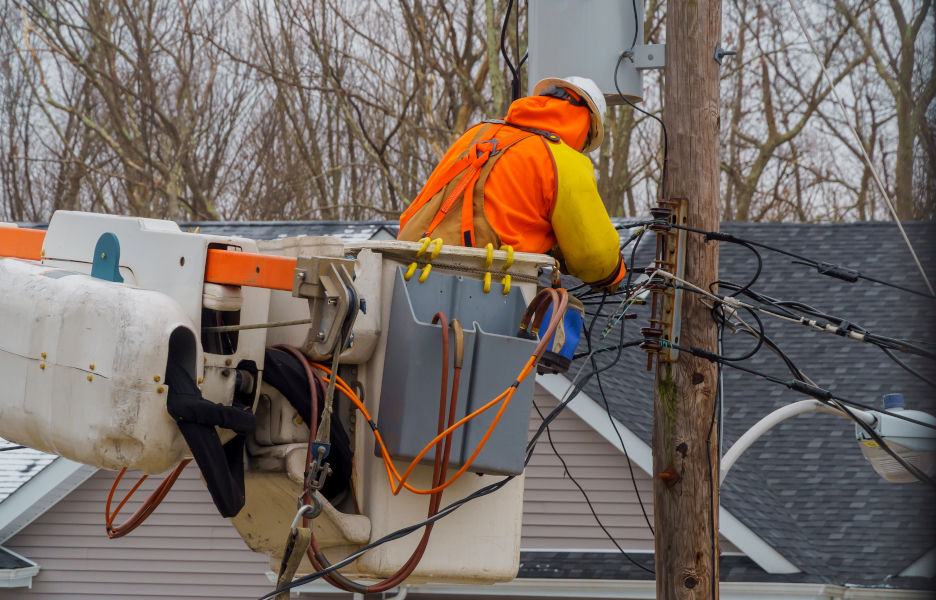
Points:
[(92, 336)]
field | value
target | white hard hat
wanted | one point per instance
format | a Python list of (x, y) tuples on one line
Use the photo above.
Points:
[(588, 91)]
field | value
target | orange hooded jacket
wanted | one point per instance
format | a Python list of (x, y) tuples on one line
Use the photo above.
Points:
[(541, 195)]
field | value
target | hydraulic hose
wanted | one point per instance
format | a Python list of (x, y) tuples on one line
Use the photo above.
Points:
[(335, 579), (148, 506), (440, 466)]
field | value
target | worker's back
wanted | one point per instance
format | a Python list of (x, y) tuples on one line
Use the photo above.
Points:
[(520, 191), (523, 182)]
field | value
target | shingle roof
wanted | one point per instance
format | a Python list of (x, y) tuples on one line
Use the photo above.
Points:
[(612, 565), (19, 466), (349, 231), (805, 487), (8, 560)]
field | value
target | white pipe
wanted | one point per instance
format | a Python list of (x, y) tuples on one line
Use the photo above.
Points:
[(404, 590), (778, 416)]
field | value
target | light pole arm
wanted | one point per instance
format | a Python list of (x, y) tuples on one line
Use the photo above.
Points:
[(778, 416)]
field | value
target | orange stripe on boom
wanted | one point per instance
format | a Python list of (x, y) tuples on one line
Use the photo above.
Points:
[(253, 270), (16, 242)]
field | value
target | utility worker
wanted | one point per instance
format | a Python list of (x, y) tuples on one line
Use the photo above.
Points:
[(528, 185)]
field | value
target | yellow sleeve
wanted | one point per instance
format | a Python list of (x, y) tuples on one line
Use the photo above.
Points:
[(587, 238)]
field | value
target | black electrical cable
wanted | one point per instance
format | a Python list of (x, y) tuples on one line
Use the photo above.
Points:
[(621, 345), (636, 27), (867, 428), (715, 358), (824, 268), (515, 76), (716, 410), (747, 286), (630, 467), (607, 406), (845, 326), (760, 326), (658, 120), (909, 369), (565, 468), (880, 441)]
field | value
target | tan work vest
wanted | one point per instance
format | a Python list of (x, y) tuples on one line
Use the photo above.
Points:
[(433, 213)]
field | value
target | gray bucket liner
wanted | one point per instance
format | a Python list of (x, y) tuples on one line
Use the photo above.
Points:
[(409, 400)]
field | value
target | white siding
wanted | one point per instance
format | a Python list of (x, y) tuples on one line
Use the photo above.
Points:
[(184, 550), (555, 514)]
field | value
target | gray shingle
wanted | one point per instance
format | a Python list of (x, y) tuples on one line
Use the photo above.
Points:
[(815, 525)]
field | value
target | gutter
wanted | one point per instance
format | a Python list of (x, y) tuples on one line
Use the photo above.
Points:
[(629, 590), (22, 577)]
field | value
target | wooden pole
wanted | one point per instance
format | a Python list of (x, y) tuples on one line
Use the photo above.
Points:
[(685, 391)]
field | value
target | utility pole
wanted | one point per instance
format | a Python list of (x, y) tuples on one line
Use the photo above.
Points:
[(685, 509)]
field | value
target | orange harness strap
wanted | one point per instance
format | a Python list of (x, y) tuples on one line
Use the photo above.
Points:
[(478, 154), (436, 183)]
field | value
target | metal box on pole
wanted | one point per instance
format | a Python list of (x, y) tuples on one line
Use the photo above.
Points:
[(585, 38)]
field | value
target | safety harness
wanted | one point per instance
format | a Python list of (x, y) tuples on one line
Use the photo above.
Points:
[(431, 215)]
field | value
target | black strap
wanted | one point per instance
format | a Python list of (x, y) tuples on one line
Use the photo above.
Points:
[(552, 137), (283, 372), (563, 94), (222, 465)]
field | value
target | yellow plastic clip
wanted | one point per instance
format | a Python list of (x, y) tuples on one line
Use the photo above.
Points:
[(506, 282), (487, 282), (436, 249), (409, 271), (425, 273), (509, 262), (490, 256), (425, 244)]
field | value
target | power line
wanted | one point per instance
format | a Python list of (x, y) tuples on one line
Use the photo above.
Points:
[(565, 468), (877, 178), (823, 267)]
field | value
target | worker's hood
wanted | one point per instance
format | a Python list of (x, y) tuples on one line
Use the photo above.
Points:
[(569, 122)]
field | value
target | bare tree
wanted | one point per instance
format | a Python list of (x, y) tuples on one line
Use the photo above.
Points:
[(892, 39)]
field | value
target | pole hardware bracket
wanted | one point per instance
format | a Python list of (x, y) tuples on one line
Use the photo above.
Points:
[(328, 284), (721, 53), (670, 476), (647, 57), (666, 303)]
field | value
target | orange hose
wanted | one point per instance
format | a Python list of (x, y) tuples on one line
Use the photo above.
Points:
[(391, 469), (146, 509), (535, 312)]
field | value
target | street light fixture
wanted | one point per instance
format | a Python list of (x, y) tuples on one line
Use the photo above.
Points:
[(916, 444)]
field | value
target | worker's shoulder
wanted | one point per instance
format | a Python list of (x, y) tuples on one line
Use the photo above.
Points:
[(570, 160)]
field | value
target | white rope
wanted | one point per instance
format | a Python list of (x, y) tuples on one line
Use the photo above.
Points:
[(864, 153)]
